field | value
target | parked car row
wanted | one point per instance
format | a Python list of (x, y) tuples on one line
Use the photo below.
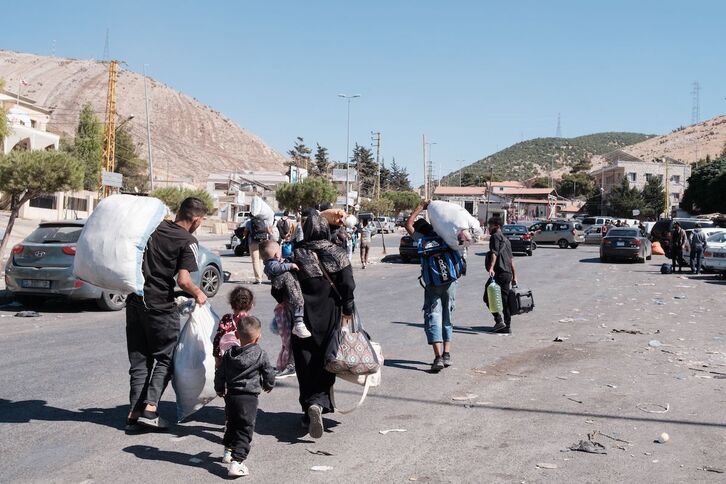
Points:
[(41, 266)]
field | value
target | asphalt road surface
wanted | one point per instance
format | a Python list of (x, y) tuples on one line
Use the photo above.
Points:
[(506, 411)]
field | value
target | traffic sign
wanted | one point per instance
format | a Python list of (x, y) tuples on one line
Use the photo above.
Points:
[(111, 179)]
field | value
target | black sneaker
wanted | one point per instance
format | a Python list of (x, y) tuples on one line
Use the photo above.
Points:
[(286, 372), (152, 420), (501, 328), (447, 359), (132, 426), (437, 365)]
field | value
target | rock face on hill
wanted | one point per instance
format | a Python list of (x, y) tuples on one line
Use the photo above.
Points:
[(688, 144), (189, 140)]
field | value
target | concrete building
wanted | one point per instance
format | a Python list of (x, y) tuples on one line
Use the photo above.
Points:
[(467, 197), (638, 172), (28, 124), (233, 192)]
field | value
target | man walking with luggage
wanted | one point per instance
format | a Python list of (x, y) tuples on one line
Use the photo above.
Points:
[(501, 268), (152, 322)]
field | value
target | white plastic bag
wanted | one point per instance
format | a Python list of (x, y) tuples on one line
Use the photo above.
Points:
[(111, 247), (453, 224), (193, 380), (259, 208)]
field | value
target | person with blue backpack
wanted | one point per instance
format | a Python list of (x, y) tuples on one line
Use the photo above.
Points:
[(441, 267)]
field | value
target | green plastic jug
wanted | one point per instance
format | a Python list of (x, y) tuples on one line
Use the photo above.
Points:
[(494, 297)]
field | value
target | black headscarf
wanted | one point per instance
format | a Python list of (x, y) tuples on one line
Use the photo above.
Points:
[(316, 242)]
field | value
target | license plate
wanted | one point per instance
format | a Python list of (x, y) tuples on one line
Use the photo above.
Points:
[(514, 238), (619, 244), (34, 284)]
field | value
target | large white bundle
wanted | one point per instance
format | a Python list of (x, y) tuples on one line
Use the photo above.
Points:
[(453, 223), (260, 208), (193, 380), (111, 246)]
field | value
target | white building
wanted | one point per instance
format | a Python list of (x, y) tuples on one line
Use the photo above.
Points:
[(233, 192), (28, 124)]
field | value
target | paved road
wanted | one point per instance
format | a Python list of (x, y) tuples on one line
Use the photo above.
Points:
[(508, 403)]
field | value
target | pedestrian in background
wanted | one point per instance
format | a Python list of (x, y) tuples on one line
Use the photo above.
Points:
[(679, 239), (256, 231), (501, 268), (698, 244), (366, 234)]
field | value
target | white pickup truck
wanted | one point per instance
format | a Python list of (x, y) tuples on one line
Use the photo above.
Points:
[(385, 225)]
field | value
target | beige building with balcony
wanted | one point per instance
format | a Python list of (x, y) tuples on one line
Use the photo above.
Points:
[(28, 124), (638, 172)]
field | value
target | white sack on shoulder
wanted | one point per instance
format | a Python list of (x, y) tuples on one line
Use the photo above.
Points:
[(260, 208), (111, 247), (193, 380), (453, 224)]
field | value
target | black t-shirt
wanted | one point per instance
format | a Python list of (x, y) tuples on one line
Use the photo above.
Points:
[(502, 248), (169, 249)]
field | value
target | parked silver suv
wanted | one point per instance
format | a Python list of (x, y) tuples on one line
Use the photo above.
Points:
[(564, 233)]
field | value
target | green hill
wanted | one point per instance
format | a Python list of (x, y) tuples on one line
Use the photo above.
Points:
[(537, 156)]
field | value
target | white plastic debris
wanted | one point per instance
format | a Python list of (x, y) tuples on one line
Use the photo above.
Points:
[(384, 432), (321, 468), (654, 343), (663, 438)]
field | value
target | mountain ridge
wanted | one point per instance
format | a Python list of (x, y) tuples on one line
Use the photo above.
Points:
[(189, 139)]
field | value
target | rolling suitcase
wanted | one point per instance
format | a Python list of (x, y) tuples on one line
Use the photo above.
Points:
[(520, 300)]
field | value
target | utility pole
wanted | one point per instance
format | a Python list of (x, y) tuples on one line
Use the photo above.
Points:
[(347, 149), (376, 138), (148, 135), (425, 170), (489, 192), (109, 139)]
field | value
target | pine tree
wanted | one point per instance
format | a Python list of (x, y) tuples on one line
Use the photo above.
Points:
[(623, 199), (87, 146), (654, 197), (300, 154), (128, 163), (322, 162), (367, 170), (398, 179)]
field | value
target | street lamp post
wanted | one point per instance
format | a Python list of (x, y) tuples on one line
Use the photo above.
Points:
[(429, 176), (349, 98)]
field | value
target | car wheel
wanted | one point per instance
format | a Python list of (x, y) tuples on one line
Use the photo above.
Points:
[(574, 246), (405, 260), (603, 258), (211, 281), (29, 301), (562, 243), (110, 301), (529, 253), (239, 251)]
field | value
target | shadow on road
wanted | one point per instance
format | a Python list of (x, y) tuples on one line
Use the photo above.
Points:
[(407, 365), (201, 460), (286, 426), (457, 329), (591, 260)]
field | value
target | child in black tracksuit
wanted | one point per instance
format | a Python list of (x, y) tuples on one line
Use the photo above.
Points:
[(245, 371)]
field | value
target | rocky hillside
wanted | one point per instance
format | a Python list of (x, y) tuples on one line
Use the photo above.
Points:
[(536, 157), (189, 140), (688, 144)]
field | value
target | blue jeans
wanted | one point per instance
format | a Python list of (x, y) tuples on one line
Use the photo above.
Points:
[(439, 304), (697, 254)]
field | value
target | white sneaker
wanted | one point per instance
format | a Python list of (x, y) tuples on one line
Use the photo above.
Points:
[(227, 457), (238, 469), (301, 331)]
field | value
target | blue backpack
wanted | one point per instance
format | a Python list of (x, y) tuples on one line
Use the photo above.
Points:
[(440, 265)]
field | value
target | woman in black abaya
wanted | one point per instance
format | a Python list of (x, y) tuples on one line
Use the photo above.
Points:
[(324, 309)]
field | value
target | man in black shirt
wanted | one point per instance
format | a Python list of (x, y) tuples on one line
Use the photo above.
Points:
[(501, 268), (152, 323)]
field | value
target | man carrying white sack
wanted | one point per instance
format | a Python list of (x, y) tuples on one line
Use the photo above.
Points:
[(152, 323)]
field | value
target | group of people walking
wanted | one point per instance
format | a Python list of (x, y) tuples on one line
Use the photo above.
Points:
[(315, 296), (695, 242)]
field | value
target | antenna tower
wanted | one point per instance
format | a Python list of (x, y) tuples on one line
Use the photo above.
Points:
[(107, 47), (696, 108), (558, 133)]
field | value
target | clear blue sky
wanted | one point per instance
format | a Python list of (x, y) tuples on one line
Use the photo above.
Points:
[(474, 76)]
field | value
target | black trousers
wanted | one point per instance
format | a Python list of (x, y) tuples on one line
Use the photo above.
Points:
[(151, 337), (504, 279), (677, 258), (241, 413)]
